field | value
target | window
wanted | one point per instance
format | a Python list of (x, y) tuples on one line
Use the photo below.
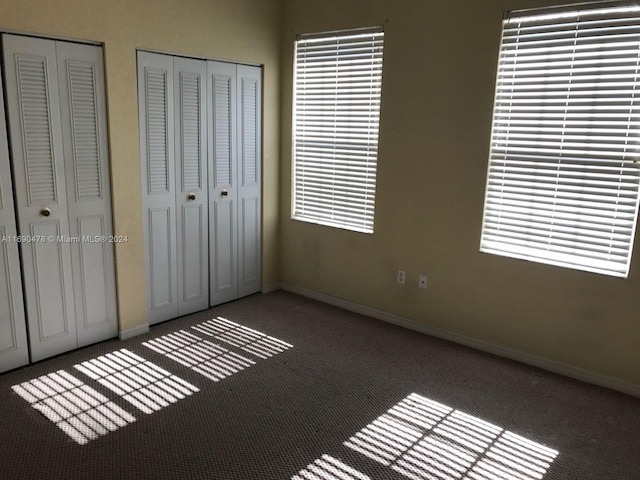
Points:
[(338, 78), (562, 183)]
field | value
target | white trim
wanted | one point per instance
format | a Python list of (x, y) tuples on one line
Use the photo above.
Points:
[(133, 332), (347, 32), (544, 363), (271, 287), (195, 57), (22, 33)]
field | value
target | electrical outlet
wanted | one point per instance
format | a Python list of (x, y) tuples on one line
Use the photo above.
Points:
[(422, 281), (402, 275)]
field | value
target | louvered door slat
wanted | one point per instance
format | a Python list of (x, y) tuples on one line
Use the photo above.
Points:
[(190, 97), (34, 99), (85, 129), (249, 131), (158, 158), (222, 129)]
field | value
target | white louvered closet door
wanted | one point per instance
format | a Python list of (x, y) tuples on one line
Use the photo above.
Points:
[(84, 129), (223, 200), (38, 160), (172, 96), (200, 148), (57, 119), (13, 335), (235, 203), (157, 153), (192, 240), (249, 179)]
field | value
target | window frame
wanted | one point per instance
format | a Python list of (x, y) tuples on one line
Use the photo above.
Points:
[(335, 213), (560, 251)]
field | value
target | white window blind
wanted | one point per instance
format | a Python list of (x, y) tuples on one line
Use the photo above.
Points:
[(562, 184), (338, 78)]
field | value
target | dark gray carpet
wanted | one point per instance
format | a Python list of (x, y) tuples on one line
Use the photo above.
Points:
[(292, 414)]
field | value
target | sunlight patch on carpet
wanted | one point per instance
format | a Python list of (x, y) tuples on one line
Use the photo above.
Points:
[(329, 468), (426, 440), (78, 410), (138, 381), (209, 359), (245, 338)]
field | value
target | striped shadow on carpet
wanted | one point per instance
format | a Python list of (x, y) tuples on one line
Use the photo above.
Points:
[(423, 439), (84, 414), (278, 387)]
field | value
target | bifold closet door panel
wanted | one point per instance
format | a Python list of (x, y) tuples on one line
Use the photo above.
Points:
[(249, 179), (84, 129), (157, 151), (13, 332), (223, 191), (38, 160), (191, 185)]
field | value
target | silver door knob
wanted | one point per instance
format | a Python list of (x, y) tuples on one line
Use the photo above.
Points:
[(191, 196), (45, 212), (224, 192)]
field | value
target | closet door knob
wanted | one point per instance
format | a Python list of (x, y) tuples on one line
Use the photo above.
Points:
[(224, 192), (191, 196), (45, 212)]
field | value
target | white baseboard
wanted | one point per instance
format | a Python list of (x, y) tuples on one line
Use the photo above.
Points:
[(271, 287), (133, 332), (540, 362)]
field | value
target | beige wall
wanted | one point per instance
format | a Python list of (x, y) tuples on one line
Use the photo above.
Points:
[(439, 71), (237, 30)]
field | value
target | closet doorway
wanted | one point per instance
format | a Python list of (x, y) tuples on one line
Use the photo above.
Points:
[(55, 182), (200, 148)]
